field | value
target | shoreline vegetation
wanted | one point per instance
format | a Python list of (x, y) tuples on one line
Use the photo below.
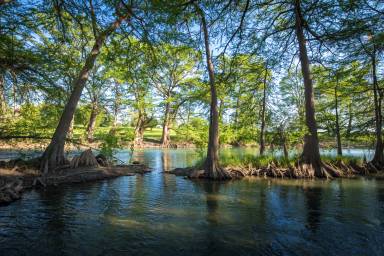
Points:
[(281, 167)]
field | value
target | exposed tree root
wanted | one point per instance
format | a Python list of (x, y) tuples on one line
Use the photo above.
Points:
[(218, 174), (86, 159), (301, 171), (372, 167)]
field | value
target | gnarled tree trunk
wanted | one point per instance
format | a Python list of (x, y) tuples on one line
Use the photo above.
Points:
[(53, 156), (311, 151)]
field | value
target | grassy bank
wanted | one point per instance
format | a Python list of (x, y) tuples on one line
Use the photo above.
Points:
[(280, 167), (280, 161)]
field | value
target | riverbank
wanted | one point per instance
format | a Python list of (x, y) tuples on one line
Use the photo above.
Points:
[(280, 167), (40, 144), (15, 178)]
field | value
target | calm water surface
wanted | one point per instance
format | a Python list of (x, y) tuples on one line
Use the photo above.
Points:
[(160, 214)]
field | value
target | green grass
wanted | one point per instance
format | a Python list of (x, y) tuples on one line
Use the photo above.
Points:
[(254, 161), (126, 133), (346, 159)]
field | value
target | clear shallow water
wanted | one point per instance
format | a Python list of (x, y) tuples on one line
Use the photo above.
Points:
[(160, 214)]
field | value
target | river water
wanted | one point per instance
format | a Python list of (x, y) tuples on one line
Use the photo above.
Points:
[(160, 214)]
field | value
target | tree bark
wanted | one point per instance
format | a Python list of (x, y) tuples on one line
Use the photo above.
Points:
[(337, 125), (70, 130), (92, 122), (262, 132), (139, 131), (165, 136), (311, 151), (212, 167), (3, 104), (53, 156), (350, 116), (378, 158), (14, 91), (116, 103)]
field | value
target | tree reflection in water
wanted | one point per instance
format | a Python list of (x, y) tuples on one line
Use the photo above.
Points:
[(313, 197)]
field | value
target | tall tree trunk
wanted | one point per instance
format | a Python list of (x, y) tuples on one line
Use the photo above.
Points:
[(139, 131), (188, 119), (338, 137), (14, 91), (212, 168), (221, 110), (284, 143), (378, 158), (3, 104), (165, 137), (236, 119), (311, 151), (262, 132), (116, 103), (70, 130), (92, 122), (350, 116), (53, 156)]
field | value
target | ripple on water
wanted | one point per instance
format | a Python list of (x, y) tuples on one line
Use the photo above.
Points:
[(158, 214)]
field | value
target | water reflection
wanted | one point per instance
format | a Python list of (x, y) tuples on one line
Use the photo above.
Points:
[(211, 190), (313, 197), (160, 214)]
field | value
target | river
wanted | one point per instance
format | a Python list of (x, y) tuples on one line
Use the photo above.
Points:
[(161, 214)]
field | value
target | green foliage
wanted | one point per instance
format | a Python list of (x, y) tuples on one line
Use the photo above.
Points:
[(161, 63), (109, 145), (196, 132)]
